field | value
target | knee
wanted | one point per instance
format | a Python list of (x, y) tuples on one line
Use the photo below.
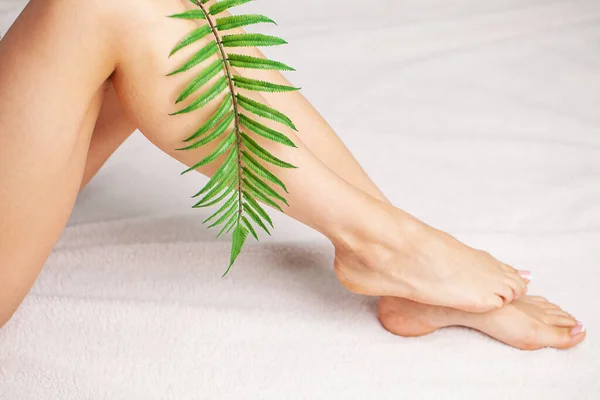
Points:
[(112, 16)]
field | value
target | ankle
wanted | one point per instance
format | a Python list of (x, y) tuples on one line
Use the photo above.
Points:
[(380, 234)]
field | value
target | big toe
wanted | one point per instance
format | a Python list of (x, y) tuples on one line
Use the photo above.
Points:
[(524, 275), (518, 280), (561, 337)]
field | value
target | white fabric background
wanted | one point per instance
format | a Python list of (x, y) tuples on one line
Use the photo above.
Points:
[(481, 118)]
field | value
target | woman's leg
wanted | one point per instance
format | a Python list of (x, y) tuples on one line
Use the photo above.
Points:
[(110, 131), (527, 323), (380, 250), (48, 109)]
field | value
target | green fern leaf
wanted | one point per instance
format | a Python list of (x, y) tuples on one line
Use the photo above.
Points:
[(228, 182), (197, 58), (224, 169), (222, 208), (224, 175), (258, 208), (194, 36), (261, 86), (231, 227), (227, 214), (265, 188), (251, 40), (219, 130), (213, 202), (206, 75), (250, 227), (259, 170), (262, 153), (264, 111), (256, 218), (240, 233), (214, 119), (254, 191), (191, 14), (225, 183), (205, 97), (223, 5), (230, 224), (264, 131), (243, 61), (221, 148), (238, 21)]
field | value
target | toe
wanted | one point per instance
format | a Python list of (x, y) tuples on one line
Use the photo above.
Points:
[(517, 287), (521, 278), (560, 312), (524, 275), (562, 337), (484, 304), (495, 302), (560, 320), (507, 294), (507, 268)]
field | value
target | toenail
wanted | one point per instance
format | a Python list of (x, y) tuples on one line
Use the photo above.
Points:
[(524, 274), (578, 329)]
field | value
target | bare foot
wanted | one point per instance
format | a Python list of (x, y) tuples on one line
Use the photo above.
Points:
[(529, 323), (403, 257)]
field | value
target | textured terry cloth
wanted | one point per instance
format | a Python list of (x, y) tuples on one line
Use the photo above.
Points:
[(480, 117)]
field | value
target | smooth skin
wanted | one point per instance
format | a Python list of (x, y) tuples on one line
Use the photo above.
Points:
[(113, 50)]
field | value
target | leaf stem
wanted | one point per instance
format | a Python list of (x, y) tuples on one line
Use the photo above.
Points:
[(233, 101)]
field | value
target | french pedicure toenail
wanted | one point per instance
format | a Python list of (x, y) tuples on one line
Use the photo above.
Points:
[(578, 329), (524, 274)]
